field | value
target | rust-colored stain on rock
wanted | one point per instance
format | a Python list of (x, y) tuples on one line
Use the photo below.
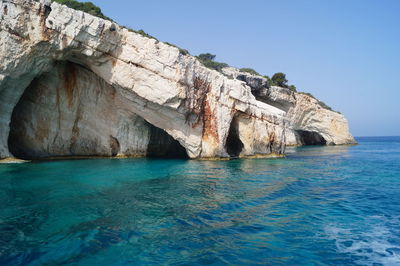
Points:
[(44, 13), (196, 98), (69, 79), (210, 129)]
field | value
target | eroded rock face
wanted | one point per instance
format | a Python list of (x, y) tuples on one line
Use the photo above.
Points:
[(69, 111), (308, 122), (72, 84)]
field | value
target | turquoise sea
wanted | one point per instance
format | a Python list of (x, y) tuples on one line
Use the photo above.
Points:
[(336, 205)]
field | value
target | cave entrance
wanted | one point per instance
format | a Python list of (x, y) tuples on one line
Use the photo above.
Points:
[(162, 145), (309, 138), (233, 143), (71, 112), (18, 141)]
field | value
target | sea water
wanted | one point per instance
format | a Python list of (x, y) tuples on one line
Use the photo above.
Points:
[(332, 205)]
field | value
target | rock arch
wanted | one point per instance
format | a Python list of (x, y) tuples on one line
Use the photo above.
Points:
[(70, 111)]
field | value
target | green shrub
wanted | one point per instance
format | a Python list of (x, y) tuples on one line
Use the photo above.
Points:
[(181, 50), (141, 32), (250, 71), (87, 7), (324, 105), (269, 81), (207, 60), (267, 77), (145, 34), (279, 79), (206, 57)]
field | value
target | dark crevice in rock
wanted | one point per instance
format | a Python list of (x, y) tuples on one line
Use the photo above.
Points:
[(309, 138), (17, 140), (233, 143), (163, 145), (261, 90), (114, 146), (47, 10)]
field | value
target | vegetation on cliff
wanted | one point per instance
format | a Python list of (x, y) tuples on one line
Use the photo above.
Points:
[(250, 71), (90, 8), (87, 7), (181, 50), (279, 79), (207, 59)]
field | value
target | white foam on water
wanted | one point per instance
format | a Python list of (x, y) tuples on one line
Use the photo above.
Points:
[(371, 246)]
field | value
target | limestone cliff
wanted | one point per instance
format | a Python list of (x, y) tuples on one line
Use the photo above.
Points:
[(72, 84), (308, 121)]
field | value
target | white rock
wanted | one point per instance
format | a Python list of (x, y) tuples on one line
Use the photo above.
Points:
[(81, 85), (307, 120)]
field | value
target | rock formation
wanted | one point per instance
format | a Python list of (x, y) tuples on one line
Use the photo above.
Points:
[(308, 121), (72, 84)]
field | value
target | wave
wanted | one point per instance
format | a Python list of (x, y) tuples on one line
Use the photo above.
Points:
[(380, 243)]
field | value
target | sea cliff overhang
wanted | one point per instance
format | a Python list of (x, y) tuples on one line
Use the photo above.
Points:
[(72, 84)]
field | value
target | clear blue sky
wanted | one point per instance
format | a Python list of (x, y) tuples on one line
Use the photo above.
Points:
[(345, 52)]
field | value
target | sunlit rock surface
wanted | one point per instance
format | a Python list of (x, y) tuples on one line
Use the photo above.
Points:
[(72, 84), (308, 121)]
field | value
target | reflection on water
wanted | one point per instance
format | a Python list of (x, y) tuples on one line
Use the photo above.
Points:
[(319, 205), (341, 150)]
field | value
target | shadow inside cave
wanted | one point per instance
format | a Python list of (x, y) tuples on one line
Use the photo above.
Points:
[(309, 138), (233, 143), (162, 145), (52, 119)]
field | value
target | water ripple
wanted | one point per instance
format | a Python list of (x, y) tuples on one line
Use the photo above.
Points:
[(319, 206)]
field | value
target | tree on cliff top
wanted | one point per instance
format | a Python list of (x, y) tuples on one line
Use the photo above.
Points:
[(279, 79), (207, 60), (206, 57)]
